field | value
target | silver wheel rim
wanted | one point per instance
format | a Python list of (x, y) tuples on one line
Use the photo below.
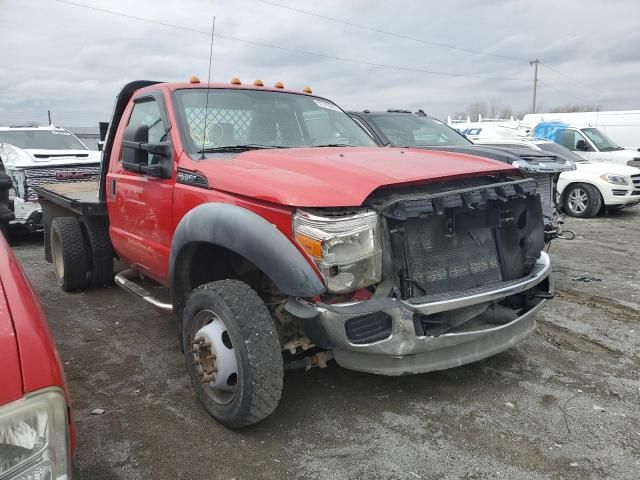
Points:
[(56, 254), (214, 357), (578, 200)]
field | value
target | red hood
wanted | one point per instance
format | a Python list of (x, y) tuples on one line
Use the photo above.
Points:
[(10, 375), (335, 177), (24, 329)]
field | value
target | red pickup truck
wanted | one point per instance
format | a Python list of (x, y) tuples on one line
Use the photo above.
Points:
[(37, 436), (286, 237)]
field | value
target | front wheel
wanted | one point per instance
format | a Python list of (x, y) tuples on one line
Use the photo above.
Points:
[(582, 200), (232, 352)]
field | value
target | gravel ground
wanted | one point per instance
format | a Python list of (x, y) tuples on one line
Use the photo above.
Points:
[(562, 405)]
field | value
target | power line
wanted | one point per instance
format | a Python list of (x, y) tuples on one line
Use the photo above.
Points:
[(288, 49), (570, 78), (391, 34), (562, 91)]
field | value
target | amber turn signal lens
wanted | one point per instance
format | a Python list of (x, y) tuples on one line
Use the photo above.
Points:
[(310, 245)]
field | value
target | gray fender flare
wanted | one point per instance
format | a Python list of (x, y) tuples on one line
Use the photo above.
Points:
[(252, 237)]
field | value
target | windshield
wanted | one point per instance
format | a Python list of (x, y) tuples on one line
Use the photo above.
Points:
[(42, 139), (416, 131), (560, 151), (600, 140), (262, 119)]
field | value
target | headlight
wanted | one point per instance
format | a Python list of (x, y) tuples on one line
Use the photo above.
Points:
[(34, 437), (615, 179), (346, 248)]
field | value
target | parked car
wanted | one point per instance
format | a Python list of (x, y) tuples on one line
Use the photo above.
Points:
[(621, 126), (588, 142), (402, 128), (35, 155), (593, 186), (37, 435), (279, 226)]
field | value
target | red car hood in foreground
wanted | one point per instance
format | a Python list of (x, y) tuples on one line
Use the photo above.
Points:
[(10, 374), (28, 358), (335, 177)]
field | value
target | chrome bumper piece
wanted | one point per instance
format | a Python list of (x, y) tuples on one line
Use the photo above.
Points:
[(403, 351)]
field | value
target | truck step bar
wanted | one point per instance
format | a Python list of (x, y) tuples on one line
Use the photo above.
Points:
[(124, 280)]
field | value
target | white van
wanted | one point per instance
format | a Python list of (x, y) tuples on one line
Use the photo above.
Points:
[(589, 142), (622, 126)]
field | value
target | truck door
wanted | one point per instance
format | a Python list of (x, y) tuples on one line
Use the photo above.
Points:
[(576, 141), (140, 205)]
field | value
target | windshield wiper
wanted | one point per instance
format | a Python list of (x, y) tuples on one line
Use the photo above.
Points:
[(238, 148)]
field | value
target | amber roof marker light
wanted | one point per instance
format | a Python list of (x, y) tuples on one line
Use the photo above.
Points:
[(236, 81), (194, 79), (258, 83), (279, 85), (307, 90)]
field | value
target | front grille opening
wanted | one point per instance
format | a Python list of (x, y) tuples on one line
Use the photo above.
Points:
[(469, 240), (368, 328)]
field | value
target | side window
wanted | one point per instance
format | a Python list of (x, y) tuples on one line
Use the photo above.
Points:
[(147, 112)]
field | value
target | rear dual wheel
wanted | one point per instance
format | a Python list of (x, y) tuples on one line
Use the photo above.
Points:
[(80, 252)]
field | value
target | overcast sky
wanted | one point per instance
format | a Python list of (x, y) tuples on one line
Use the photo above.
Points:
[(72, 60)]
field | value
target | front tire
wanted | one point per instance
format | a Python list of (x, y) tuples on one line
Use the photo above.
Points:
[(582, 200), (232, 352)]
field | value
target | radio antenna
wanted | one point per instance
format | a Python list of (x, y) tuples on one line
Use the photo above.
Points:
[(206, 105)]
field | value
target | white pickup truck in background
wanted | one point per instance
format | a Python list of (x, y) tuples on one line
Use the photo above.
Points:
[(621, 126), (35, 155), (589, 142)]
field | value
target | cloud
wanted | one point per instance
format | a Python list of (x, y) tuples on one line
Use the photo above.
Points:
[(73, 60)]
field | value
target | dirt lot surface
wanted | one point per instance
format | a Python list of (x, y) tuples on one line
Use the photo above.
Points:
[(565, 404)]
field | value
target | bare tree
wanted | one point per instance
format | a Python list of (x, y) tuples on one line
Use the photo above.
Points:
[(475, 109), (576, 107)]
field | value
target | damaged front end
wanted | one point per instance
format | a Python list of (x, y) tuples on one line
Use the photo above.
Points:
[(545, 168), (463, 273)]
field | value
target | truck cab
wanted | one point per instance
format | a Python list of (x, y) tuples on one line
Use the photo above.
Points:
[(284, 238), (589, 142)]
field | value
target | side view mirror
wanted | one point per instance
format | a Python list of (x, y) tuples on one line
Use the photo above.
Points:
[(136, 150), (582, 146)]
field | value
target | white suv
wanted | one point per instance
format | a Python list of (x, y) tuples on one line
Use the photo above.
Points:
[(584, 191)]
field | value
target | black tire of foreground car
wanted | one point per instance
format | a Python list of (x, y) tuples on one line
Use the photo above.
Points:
[(99, 251), (69, 253), (582, 200), (232, 352)]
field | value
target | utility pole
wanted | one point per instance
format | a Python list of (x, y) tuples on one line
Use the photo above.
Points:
[(535, 82)]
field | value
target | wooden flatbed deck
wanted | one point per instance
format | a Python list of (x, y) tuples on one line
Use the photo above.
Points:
[(81, 197)]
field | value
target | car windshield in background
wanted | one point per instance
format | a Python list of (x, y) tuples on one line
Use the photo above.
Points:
[(41, 139), (600, 140), (560, 151), (416, 131), (248, 119)]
